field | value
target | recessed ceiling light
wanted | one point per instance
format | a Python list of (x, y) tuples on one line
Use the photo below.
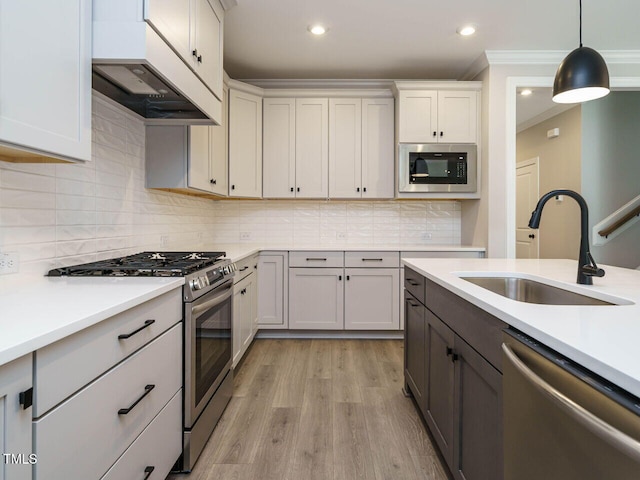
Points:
[(526, 92), (466, 30), (318, 29)]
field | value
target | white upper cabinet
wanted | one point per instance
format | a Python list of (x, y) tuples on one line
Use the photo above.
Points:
[(245, 144), (345, 147), (430, 116), (312, 142), (219, 159), (279, 148), (194, 29), (45, 80), (198, 164), (361, 148)]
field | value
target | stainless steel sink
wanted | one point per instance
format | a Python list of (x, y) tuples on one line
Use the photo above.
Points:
[(530, 291)]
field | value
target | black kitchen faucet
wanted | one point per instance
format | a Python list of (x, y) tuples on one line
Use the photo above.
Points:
[(587, 267)]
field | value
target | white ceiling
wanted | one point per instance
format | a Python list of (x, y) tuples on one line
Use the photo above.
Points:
[(537, 107), (410, 39)]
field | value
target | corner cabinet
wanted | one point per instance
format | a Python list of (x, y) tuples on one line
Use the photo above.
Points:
[(245, 144), (188, 159), (45, 80), (361, 148), (437, 116), (453, 369), (15, 420)]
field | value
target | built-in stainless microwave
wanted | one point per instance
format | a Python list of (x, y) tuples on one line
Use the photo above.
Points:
[(437, 168)]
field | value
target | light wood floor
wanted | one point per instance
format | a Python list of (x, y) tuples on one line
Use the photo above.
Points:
[(319, 409)]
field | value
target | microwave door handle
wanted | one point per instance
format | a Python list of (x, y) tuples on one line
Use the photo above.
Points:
[(614, 437)]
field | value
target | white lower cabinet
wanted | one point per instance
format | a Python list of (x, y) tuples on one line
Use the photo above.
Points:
[(147, 455), (371, 299), (273, 286), (245, 307), (15, 420), (84, 435), (316, 298)]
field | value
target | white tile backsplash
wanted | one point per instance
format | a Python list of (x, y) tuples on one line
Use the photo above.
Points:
[(59, 214)]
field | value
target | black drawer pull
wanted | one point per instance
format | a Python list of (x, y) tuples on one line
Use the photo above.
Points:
[(147, 390), (413, 283), (316, 259), (372, 259), (148, 471), (243, 268), (413, 304), (127, 335)]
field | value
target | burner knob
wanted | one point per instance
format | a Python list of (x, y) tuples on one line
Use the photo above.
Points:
[(195, 284), (204, 280)]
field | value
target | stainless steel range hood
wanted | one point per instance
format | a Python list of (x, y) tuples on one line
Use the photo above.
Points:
[(135, 67)]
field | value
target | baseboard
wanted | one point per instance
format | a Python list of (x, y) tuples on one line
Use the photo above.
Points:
[(331, 334)]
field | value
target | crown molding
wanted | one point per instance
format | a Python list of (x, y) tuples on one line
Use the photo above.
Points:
[(245, 87), (228, 4), (545, 57), (477, 66), (303, 83)]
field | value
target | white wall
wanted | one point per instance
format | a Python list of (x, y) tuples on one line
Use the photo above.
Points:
[(62, 214)]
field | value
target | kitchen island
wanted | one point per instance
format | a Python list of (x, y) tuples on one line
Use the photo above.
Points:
[(603, 339)]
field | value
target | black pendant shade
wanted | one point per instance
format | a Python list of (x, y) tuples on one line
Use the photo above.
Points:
[(582, 76)]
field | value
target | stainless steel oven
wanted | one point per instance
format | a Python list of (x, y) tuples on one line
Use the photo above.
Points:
[(208, 378)]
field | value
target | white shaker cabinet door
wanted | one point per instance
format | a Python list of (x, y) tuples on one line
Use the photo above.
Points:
[(418, 116), (207, 42), (245, 145), (372, 299), (171, 19), (457, 116), (345, 148), (45, 77), (279, 148), (198, 164), (316, 298), (272, 291), (312, 144), (378, 153), (219, 161)]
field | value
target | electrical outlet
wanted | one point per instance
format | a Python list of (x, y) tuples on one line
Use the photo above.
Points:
[(245, 235), (428, 236), (164, 240), (341, 235), (9, 263)]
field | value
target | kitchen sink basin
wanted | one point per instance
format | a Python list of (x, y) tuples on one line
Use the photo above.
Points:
[(530, 291)]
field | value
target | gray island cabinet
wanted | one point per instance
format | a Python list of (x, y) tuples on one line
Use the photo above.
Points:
[(453, 368)]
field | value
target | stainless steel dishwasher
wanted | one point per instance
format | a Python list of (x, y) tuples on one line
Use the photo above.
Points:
[(563, 422)]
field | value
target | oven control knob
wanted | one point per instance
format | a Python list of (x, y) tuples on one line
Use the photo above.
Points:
[(204, 280), (195, 284)]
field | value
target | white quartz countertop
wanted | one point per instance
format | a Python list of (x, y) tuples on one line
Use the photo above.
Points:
[(604, 339), (239, 251), (36, 311)]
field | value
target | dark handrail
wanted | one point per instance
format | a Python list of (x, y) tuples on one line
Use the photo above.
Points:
[(605, 232)]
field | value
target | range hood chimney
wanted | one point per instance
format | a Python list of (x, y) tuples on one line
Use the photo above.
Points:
[(135, 67)]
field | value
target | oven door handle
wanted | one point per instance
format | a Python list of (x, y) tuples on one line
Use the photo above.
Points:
[(199, 308)]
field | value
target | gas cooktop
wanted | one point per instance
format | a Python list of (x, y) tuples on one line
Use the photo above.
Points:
[(145, 264)]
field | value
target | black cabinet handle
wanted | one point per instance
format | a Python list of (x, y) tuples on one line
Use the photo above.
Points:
[(147, 391), (339, 278), (298, 189), (454, 356), (147, 323), (311, 259), (292, 189), (233, 187), (243, 291), (413, 283), (449, 351), (194, 52), (358, 189), (414, 305), (347, 277), (531, 235), (26, 398), (435, 134), (374, 260), (148, 471), (442, 134), (243, 268), (199, 58), (213, 181)]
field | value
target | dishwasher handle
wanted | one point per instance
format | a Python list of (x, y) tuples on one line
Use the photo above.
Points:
[(614, 437)]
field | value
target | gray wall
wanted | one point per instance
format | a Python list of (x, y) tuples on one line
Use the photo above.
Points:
[(611, 169)]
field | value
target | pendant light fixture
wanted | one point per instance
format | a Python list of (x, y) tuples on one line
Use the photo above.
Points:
[(582, 75)]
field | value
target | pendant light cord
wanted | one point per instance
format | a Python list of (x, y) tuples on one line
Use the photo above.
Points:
[(580, 23)]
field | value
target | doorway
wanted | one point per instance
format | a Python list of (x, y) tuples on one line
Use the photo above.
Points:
[(527, 194)]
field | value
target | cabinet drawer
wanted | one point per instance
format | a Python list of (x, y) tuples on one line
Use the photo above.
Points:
[(82, 437), (316, 259), (245, 267), (64, 367), (157, 447), (414, 283), (372, 259)]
